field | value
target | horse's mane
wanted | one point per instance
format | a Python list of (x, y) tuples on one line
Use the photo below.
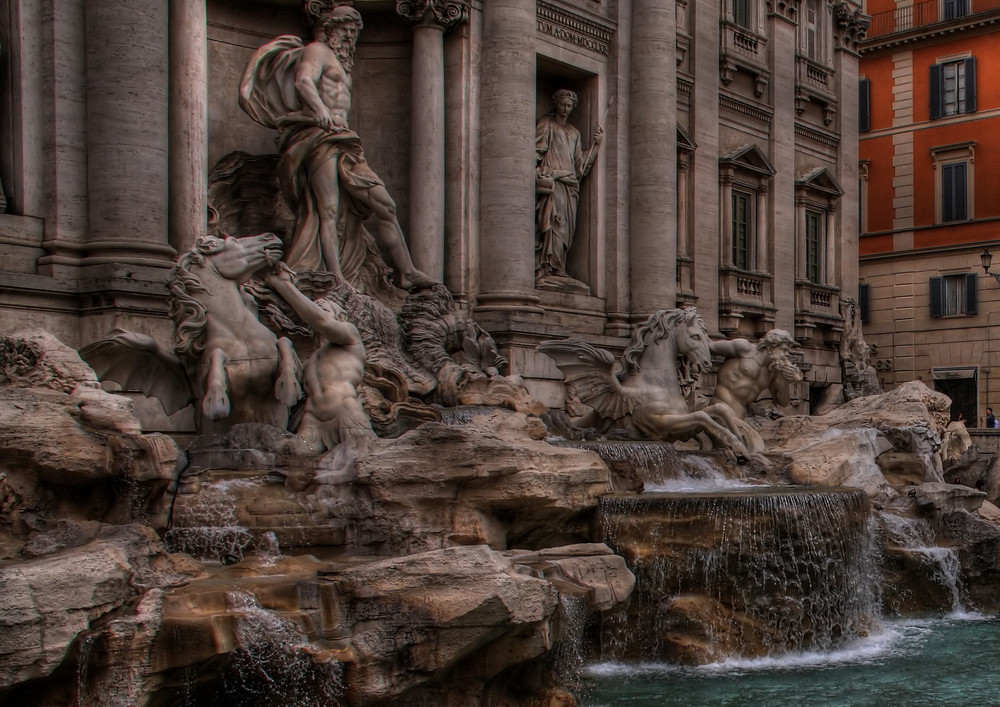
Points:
[(658, 327), (188, 314)]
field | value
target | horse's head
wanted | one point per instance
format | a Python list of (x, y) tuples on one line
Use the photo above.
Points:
[(691, 339), (239, 258)]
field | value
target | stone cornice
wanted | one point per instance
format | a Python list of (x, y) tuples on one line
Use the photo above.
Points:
[(819, 136), (745, 109), (919, 34), (574, 28)]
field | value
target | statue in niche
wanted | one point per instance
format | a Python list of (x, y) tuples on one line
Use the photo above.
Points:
[(304, 91), (331, 376), (561, 164), (749, 369)]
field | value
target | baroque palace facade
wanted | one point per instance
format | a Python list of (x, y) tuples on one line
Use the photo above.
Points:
[(726, 177), (928, 147)]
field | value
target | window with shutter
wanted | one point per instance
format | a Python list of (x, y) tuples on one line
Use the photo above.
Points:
[(864, 106)]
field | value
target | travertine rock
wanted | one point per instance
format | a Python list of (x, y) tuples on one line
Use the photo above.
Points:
[(843, 448), (491, 480), (65, 444), (49, 601)]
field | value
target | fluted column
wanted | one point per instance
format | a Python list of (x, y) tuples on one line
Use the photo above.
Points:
[(188, 167), (431, 19), (507, 157), (653, 132), (127, 132)]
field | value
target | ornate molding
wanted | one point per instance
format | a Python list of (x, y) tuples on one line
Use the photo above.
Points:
[(573, 28), (441, 13), (851, 25), (744, 109), (785, 9), (818, 136)]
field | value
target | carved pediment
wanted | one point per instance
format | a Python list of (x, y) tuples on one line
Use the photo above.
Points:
[(750, 158), (684, 140), (821, 180)]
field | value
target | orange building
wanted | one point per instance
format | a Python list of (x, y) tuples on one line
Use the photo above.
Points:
[(930, 196)]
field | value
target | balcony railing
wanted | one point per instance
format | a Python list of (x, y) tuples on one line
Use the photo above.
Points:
[(924, 14)]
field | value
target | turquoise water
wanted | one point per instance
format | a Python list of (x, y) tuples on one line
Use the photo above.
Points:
[(911, 663)]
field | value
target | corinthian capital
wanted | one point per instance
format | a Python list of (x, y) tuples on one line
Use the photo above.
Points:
[(443, 13)]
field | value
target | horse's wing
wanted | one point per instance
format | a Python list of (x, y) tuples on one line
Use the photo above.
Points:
[(591, 373), (136, 362)]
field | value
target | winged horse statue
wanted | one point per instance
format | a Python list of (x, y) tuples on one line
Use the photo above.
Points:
[(223, 357), (667, 353)]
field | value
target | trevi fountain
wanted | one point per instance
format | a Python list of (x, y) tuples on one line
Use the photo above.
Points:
[(365, 505)]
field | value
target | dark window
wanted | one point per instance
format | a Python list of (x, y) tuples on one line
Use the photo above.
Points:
[(864, 106), (813, 245), (953, 9), (953, 88), (953, 294), (865, 302), (741, 230), (954, 192), (741, 13)]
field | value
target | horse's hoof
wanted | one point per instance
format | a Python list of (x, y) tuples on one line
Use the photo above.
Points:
[(215, 407), (288, 393)]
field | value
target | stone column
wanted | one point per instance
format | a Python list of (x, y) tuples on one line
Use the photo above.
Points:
[(653, 133), (188, 169), (127, 142), (427, 180), (54, 101), (507, 158)]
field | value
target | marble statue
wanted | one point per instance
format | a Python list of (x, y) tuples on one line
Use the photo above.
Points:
[(561, 164), (665, 356), (331, 376), (304, 91), (749, 369), (223, 358)]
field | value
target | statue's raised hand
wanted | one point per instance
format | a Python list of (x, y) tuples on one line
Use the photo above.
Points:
[(598, 135), (279, 273)]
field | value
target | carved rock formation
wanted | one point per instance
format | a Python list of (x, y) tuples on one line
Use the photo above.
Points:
[(492, 480)]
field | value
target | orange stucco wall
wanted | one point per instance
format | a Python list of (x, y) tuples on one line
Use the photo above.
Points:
[(981, 127)]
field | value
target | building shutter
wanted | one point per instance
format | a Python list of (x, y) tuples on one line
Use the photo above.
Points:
[(971, 296), (865, 302), (970, 85), (937, 285), (937, 92), (864, 106)]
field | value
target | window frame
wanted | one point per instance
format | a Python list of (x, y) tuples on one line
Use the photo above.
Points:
[(965, 98), (815, 245), (743, 255), (954, 9), (963, 300), (944, 159)]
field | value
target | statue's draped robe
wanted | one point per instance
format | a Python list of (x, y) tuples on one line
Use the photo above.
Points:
[(561, 157), (268, 95)]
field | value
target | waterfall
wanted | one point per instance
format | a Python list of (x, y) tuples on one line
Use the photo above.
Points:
[(750, 573), (272, 663), (210, 529), (934, 572)]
